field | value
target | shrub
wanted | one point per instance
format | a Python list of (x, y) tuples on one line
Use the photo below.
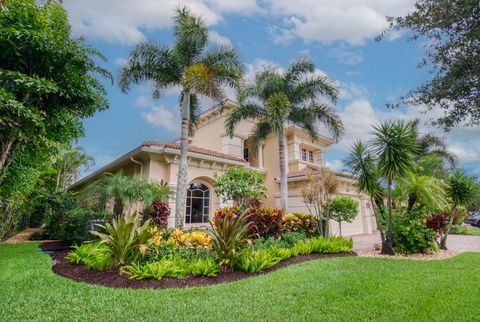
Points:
[(303, 223), (159, 213), (205, 267), (293, 237), (76, 225), (171, 251), (229, 234), (411, 233), (343, 208), (266, 221), (92, 255), (459, 230), (157, 270), (437, 223), (125, 240), (256, 260), (321, 245), (192, 239)]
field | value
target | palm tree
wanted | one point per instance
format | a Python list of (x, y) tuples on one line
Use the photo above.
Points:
[(461, 189), (430, 144), (395, 145), (362, 165), (429, 191), (190, 66), (68, 167), (276, 98)]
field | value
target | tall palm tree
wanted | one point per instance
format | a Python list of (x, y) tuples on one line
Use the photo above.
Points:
[(395, 145), (361, 164), (461, 189), (68, 167), (279, 97), (190, 66)]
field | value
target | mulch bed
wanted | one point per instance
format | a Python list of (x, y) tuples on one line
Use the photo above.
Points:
[(55, 245), (111, 278)]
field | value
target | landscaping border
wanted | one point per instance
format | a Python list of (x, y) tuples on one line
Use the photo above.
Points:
[(111, 278)]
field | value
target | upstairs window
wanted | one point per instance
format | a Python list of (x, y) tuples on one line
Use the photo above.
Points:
[(310, 156), (304, 155)]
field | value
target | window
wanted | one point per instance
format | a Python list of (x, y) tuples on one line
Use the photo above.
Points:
[(310, 156), (245, 154), (304, 154), (198, 204)]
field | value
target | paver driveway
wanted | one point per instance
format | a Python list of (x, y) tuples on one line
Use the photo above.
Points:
[(458, 243)]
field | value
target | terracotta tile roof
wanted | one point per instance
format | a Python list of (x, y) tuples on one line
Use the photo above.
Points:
[(193, 149), (309, 169)]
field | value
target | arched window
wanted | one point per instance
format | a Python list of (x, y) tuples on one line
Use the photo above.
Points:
[(198, 204)]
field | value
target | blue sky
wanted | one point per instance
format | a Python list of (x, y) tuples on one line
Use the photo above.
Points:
[(337, 34)]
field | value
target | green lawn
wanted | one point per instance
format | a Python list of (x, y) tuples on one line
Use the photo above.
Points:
[(330, 289), (474, 231)]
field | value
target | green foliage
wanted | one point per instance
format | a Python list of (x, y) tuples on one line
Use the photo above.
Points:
[(171, 251), (157, 270), (204, 267), (300, 223), (48, 85), (411, 234), (229, 236), (93, 255), (459, 230), (292, 237), (125, 240), (343, 208), (252, 261), (321, 245), (461, 189), (450, 34), (242, 185)]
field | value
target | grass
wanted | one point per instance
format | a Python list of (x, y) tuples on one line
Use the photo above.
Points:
[(473, 231), (350, 288)]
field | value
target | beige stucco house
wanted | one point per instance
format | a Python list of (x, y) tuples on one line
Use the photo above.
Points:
[(211, 151)]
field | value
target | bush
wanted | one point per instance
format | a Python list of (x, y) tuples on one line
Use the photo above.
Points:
[(77, 223), (252, 261), (438, 223), (321, 245), (125, 240), (92, 255), (159, 213), (411, 233), (157, 270), (229, 234), (205, 267), (303, 223), (293, 237), (266, 221), (171, 251), (459, 230)]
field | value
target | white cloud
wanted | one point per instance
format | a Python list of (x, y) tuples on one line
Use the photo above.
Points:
[(143, 101), (218, 39), (161, 117), (121, 61), (122, 21), (336, 165), (335, 20)]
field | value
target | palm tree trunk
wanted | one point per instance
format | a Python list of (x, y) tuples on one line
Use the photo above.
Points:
[(377, 221), (443, 239), (283, 171), (182, 180), (340, 227), (387, 248), (412, 199)]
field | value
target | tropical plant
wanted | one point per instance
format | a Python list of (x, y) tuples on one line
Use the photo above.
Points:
[(317, 194), (193, 68), (159, 213), (229, 236), (363, 167), (158, 270), (306, 224), (265, 221), (126, 240), (241, 185), (461, 189), (253, 261), (92, 255), (343, 208), (205, 267), (428, 191), (411, 233), (68, 166), (276, 98), (395, 145)]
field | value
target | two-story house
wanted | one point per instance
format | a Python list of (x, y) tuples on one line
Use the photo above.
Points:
[(211, 151)]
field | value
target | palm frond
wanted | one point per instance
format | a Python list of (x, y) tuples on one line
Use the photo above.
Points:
[(244, 111), (312, 87), (258, 136), (298, 69), (191, 36)]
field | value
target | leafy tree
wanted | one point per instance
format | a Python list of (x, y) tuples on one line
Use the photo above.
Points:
[(193, 68), (242, 185), (317, 194), (451, 30), (47, 85), (276, 98), (343, 208), (462, 190)]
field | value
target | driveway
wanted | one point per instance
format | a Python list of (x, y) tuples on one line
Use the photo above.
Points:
[(458, 243)]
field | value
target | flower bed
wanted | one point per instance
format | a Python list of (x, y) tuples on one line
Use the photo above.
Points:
[(237, 245)]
